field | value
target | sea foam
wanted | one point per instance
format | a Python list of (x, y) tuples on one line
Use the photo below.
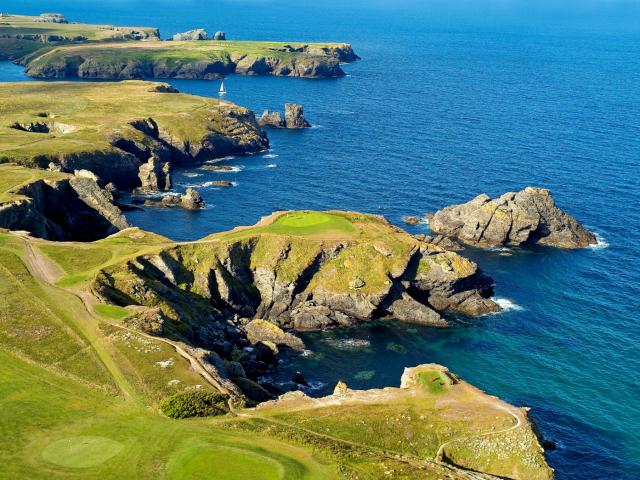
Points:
[(507, 305)]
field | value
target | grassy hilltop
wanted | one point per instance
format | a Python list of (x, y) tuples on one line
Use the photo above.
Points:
[(21, 35), (110, 128), (79, 393)]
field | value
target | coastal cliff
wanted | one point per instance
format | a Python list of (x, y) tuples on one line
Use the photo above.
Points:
[(189, 59), (111, 129)]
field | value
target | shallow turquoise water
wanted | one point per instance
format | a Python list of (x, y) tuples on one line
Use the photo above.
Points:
[(445, 104)]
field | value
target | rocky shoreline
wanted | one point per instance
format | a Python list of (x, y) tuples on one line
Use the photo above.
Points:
[(235, 295)]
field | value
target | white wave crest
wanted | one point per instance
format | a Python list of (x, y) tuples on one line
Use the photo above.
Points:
[(192, 174), (600, 244), (348, 343), (507, 305), (272, 165), (271, 155)]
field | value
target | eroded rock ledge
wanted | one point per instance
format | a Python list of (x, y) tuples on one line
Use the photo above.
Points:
[(515, 218)]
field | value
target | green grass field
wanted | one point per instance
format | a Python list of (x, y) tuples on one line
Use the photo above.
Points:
[(56, 34)]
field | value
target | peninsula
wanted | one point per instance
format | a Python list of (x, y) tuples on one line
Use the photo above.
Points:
[(69, 50)]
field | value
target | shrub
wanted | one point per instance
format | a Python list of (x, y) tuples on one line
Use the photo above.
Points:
[(195, 403)]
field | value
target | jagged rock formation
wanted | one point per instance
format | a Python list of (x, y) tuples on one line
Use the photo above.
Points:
[(70, 209), (197, 34), (155, 175), (271, 119), (158, 59), (293, 118), (219, 35), (515, 218)]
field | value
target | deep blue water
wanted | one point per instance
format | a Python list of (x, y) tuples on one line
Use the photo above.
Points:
[(448, 102)]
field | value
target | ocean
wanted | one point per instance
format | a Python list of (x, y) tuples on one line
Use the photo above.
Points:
[(452, 99)]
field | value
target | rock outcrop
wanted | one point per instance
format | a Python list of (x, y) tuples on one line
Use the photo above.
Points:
[(515, 218), (293, 118), (155, 175), (219, 35), (191, 200), (197, 34)]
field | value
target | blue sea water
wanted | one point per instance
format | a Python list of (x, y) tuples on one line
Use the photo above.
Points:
[(452, 99)]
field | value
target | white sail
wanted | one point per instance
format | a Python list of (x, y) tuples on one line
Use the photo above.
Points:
[(222, 89)]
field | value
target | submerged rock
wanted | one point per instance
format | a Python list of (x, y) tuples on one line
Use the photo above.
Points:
[(515, 218)]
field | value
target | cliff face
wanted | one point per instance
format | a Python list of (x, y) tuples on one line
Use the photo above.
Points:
[(71, 209), (182, 60)]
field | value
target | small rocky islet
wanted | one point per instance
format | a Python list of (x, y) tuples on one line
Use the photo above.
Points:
[(233, 300)]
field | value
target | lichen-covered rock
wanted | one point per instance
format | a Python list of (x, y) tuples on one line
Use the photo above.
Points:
[(196, 34), (294, 116), (515, 218), (259, 330)]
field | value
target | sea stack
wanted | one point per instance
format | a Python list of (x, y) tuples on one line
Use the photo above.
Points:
[(294, 116), (515, 218)]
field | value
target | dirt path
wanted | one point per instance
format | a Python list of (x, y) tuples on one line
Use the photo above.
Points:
[(515, 412)]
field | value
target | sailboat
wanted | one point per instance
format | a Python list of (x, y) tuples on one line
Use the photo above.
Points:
[(222, 90)]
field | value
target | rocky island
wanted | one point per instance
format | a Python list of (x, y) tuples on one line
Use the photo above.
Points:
[(515, 218)]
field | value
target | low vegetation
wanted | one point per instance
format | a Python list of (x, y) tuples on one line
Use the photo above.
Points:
[(195, 403)]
